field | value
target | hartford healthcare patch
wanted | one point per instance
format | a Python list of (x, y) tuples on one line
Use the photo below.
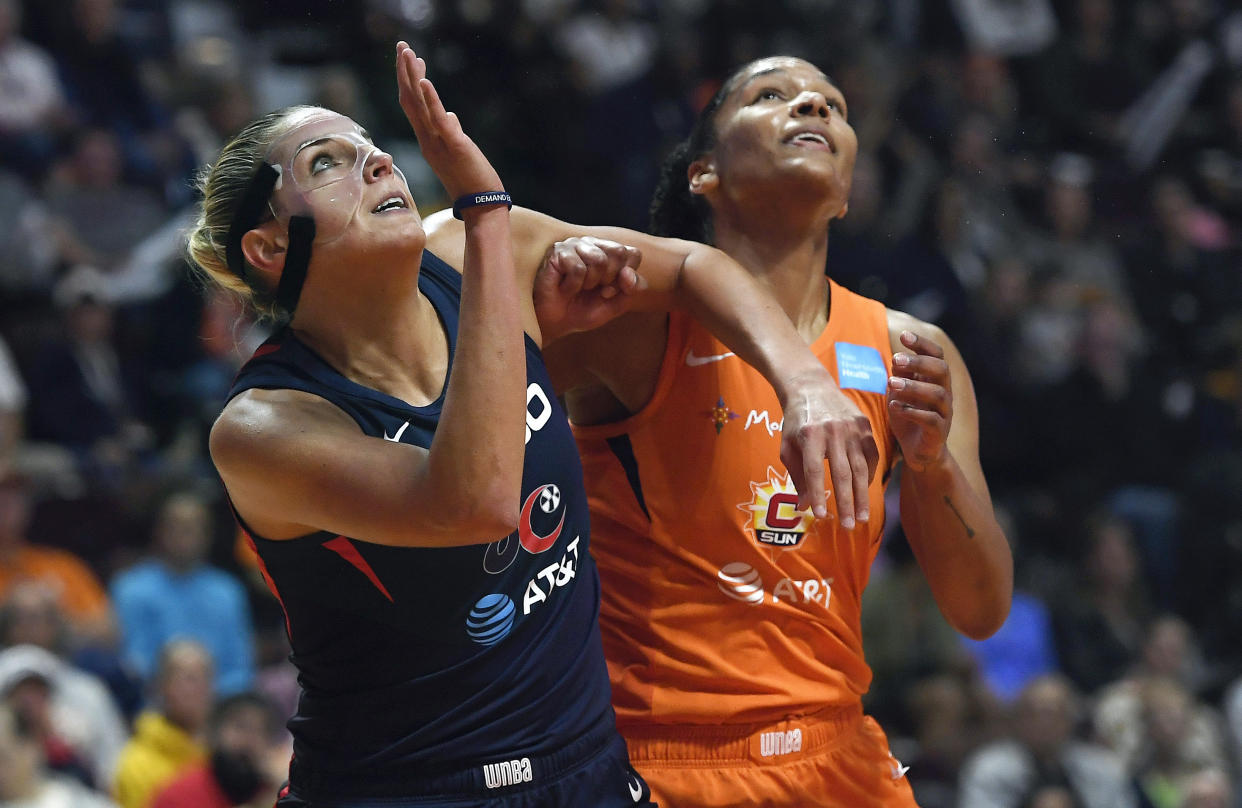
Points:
[(860, 367)]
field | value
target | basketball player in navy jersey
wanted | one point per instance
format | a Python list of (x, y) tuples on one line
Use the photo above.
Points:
[(397, 456)]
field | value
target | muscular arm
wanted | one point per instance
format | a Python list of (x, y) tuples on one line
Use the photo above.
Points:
[(623, 358), (293, 463), (946, 510)]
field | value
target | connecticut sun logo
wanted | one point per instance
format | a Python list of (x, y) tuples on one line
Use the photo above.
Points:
[(775, 520)]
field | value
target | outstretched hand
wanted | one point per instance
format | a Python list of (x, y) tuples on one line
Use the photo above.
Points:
[(585, 282), (920, 401), (457, 161), (821, 422)]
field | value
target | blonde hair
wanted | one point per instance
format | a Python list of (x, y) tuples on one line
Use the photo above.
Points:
[(222, 186)]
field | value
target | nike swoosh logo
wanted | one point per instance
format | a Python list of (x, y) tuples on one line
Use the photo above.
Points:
[(397, 437), (694, 361), (636, 790), (898, 769)]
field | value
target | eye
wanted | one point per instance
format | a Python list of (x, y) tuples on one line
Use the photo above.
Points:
[(322, 162), (768, 94)]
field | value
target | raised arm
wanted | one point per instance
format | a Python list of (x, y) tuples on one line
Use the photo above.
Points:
[(820, 421), (293, 463), (946, 511)]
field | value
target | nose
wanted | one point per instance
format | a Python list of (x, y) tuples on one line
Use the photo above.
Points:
[(810, 102), (378, 165)]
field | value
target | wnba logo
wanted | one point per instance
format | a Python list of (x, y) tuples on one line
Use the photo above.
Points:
[(740, 581), (507, 773), (780, 743)]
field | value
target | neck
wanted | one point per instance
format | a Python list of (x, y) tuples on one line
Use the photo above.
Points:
[(380, 332), (786, 256)]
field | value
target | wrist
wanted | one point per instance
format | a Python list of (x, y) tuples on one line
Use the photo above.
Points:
[(791, 384), (937, 466), (487, 200)]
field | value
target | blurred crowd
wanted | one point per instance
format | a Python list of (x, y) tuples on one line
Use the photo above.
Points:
[(1057, 183)]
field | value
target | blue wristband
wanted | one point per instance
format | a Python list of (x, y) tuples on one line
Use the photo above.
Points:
[(484, 198)]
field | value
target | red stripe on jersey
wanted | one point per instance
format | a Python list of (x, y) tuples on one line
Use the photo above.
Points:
[(346, 550), (267, 578)]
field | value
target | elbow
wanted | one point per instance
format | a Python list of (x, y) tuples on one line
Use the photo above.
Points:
[(489, 517), (986, 616)]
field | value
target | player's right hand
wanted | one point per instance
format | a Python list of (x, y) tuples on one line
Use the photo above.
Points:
[(456, 159), (822, 423), (583, 283)]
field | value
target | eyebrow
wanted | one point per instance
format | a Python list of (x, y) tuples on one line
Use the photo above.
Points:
[(769, 71)]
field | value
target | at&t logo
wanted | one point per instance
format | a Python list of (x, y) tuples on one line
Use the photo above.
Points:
[(741, 581)]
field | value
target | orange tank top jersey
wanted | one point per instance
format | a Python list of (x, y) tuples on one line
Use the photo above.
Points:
[(722, 603)]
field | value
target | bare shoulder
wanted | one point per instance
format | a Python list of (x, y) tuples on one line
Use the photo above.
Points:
[(446, 237), (899, 321), (259, 426)]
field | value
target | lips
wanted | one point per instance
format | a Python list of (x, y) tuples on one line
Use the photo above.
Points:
[(812, 139), (394, 202)]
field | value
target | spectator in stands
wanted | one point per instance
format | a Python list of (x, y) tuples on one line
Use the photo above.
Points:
[(1174, 746), (80, 710), (1042, 752), (168, 738), (24, 779), (32, 102), (12, 401), (1098, 622), (242, 740), (67, 578), (176, 593), (1151, 716), (84, 390)]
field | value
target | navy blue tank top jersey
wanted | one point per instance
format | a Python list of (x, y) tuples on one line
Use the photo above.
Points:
[(414, 660)]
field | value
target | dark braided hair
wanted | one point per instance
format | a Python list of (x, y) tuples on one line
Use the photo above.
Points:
[(675, 212)]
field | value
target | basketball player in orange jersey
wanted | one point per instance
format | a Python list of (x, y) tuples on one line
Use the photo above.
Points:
[(730, 615)]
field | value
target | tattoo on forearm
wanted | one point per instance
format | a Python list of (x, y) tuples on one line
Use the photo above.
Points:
[(970, 531)]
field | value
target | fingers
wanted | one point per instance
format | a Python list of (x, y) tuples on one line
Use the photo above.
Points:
[(806, 471), (925, 368), (912, 393), (589, 263), (843, 483), (921, 344)]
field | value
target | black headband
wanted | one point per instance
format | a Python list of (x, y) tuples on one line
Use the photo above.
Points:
[(301, 234)]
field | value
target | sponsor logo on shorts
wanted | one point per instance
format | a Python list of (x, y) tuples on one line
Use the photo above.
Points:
[(774, 744), (636, 787), (507, 773)]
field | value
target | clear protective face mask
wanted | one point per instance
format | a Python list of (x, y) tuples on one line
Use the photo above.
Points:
[(322, 174)]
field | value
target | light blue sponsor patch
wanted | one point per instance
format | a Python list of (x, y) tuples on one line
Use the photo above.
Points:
[(860, 367)]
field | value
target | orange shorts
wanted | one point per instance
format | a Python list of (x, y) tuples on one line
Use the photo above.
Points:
[(837, 758)]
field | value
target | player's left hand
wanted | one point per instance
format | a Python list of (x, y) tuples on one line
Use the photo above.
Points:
[(920, 401), (585, 282)]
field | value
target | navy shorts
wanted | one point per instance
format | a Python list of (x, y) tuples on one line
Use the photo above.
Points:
[(598, 775)]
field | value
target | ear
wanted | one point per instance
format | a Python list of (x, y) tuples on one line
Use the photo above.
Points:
[(844, 210), (702, 176), (265, 247)]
